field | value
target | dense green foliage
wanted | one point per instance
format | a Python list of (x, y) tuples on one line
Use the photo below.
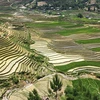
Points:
[(5, 84), (83, 89), (66, 4), (80, 15), (56, 4), (38, 58), (15, 79)]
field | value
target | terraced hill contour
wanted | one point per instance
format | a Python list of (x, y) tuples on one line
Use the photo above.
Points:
[(14, 58)]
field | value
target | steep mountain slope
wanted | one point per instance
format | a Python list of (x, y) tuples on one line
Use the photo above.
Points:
[(9, 5), (9, 2)]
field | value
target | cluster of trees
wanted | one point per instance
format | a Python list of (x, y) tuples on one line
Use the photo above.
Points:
[(68, 4), (38, 58), (65, 4), (77, 92), (80, 92)]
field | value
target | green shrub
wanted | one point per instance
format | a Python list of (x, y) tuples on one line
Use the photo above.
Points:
[(15, 80), (80, 15), (38, 76), (5, 84)]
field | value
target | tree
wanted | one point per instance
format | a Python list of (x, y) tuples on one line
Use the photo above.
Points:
[(15, 79), (34, 95), (80, 92), (56, 85), (80, 15), (69, 93)]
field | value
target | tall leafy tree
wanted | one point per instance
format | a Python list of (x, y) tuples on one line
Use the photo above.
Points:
[(34, 95), (56, 85)]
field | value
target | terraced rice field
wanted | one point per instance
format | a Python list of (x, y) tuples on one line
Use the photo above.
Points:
[(92, 44), (14, 58), (85, 69), (97, 49), (74, 32), (70, 46), (96, 40), (55, 58), (82, 66), (86, 30), (62, 51), (65, 45)]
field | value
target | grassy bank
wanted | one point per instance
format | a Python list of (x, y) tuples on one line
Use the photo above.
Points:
[(97, 40), (65, 68), (96, 49), (85, 30)]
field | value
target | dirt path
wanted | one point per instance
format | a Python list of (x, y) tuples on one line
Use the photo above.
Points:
[(42, 86)]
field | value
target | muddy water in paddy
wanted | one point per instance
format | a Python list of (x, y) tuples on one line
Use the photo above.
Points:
[(55, 58)]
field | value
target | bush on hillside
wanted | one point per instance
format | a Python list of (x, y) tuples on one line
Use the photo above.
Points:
[(80, 15)]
